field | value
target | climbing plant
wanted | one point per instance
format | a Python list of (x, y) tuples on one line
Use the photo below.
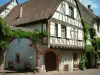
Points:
[(88, 48), (7, 33), (85, 30), (96, 44)]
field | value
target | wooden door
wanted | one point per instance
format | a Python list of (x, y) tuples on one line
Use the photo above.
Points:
[(75, 61), (50, 61)]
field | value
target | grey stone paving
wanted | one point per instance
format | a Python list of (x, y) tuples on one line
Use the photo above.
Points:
[(85, 72)]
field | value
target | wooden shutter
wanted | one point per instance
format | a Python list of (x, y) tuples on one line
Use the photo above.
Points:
[(75, 13), (68, 32), (52, 28), (67, 9), (59, 30), (80, 35)]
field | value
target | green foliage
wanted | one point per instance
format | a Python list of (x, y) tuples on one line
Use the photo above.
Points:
[(93, 33), (90, 48), (8, 33), (3, 44), (96, 44), (81, 65), (82, 62), (85, 30)]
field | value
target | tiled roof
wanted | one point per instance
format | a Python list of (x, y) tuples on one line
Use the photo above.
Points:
[(33, 10)]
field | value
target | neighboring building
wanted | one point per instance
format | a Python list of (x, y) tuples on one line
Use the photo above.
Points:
[(94, 22), (6, 8), (96, 26), (61, 50)]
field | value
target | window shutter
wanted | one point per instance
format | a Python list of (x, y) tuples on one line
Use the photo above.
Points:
[(59, 30), (52, 28), (68, 32), (75, 13), (66, 9), (80, 35)]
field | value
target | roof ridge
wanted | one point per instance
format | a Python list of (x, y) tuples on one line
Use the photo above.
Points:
[(89, 11)]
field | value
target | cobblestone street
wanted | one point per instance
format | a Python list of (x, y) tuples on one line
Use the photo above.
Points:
[(85, 72)]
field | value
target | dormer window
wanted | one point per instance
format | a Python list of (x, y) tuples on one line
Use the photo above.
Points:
[(71, 12)]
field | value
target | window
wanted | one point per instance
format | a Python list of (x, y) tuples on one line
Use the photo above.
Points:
[(17, 58), (77, 16), (44, 27), (98, 27), (71, 12), (63, 31), (55, 30)]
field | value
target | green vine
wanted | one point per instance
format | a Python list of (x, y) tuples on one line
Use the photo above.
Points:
[(85, 30), (6, 34), (86, 38), (95, 43)]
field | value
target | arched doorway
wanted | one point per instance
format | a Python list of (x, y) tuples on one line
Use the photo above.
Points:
[(51, 61)]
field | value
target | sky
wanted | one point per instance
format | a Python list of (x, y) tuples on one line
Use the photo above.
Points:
[(95, 4)]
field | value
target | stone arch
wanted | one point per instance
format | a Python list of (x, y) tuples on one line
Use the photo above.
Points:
[(48, 54)]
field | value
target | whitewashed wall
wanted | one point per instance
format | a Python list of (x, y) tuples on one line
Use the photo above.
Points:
[(67, 58), (27, 53), (95, 26), (35, 26)]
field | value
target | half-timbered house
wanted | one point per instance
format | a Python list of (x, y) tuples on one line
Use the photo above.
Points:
[(6, 8), (63, 47)]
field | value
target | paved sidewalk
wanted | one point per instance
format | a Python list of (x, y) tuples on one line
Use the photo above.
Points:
[(85, 72)]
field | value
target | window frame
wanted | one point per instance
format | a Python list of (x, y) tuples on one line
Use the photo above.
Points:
[(63, 28), (71, 11), (98, 27)]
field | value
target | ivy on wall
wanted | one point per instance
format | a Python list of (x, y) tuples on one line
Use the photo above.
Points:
[(6, 34), (88, 48), (85, 30), (95, 43)]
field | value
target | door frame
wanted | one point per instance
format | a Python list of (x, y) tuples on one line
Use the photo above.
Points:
[(58, 56), (75, 56)]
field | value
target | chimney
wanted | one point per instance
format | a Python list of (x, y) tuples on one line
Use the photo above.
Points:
[(21, 10), (89, 7)]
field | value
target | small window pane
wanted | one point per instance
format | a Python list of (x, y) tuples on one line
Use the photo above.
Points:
[(63, 30)]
